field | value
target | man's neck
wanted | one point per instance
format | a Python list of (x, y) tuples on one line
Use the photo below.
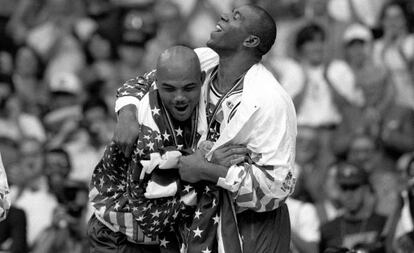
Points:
[(231, 67)]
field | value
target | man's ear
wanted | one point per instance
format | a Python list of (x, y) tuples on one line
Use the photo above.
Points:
[(203, 76), (251, 41)]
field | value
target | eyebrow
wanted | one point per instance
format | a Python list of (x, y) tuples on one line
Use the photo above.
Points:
[(172, 86), (168, 85)]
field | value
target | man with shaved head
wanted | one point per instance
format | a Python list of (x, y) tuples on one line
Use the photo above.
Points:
[(244, 105), (138, 199)]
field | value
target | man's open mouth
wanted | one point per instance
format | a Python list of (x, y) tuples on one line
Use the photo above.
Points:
[(181, 108), (218, 28)]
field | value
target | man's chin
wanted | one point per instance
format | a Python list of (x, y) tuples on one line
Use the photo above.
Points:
[(210, 43), (181, 116)]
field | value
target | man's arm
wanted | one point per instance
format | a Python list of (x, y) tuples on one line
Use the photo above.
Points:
[(254, 187), (259, 188), (126, 106)]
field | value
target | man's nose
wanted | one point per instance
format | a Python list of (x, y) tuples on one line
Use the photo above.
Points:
[(179, 97)]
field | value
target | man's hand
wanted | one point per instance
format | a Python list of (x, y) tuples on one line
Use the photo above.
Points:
[(126, 129), (195, 167), (229, 155)]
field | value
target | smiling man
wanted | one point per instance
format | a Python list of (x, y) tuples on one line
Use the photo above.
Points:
[(128, 194), (138, 199), (245, 105)]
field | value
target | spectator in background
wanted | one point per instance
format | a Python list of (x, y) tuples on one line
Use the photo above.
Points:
[(64, 108), (310, 173), (13, 121), (304, 222), (100, 74), (386, 186), (359, 225), (30, 191), (28, 80), (66, 232), (395, 51), (322, 89), (47, 26), (393, 125), (317, 11), (380, 116), (329, 207), (93, 132), (357, 46), (137, 27), (57, 168), (365, 151), (82, 129)]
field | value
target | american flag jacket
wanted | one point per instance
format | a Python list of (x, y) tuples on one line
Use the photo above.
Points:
[(117, 189)]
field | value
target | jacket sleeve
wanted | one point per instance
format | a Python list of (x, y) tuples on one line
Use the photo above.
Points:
[(258, 188), (133, 90)]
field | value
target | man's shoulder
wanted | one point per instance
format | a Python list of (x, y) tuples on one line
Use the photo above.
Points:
[(261, 86), (145, 105)]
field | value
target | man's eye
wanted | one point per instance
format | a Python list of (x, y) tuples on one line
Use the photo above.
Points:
[(191, 88), (168, 89)]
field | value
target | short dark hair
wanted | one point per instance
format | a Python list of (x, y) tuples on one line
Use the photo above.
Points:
[(398, 4), (266, 30), (308, 33), (62, 151)]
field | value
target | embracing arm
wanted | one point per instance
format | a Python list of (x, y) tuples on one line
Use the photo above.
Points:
[(253, 184), (126, 106), (260, 188)]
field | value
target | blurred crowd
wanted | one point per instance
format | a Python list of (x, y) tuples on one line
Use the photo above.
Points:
[(348, 65)]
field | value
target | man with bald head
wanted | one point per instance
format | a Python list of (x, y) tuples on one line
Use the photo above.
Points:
[(179, 81), (245, 105), (138, 199)]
